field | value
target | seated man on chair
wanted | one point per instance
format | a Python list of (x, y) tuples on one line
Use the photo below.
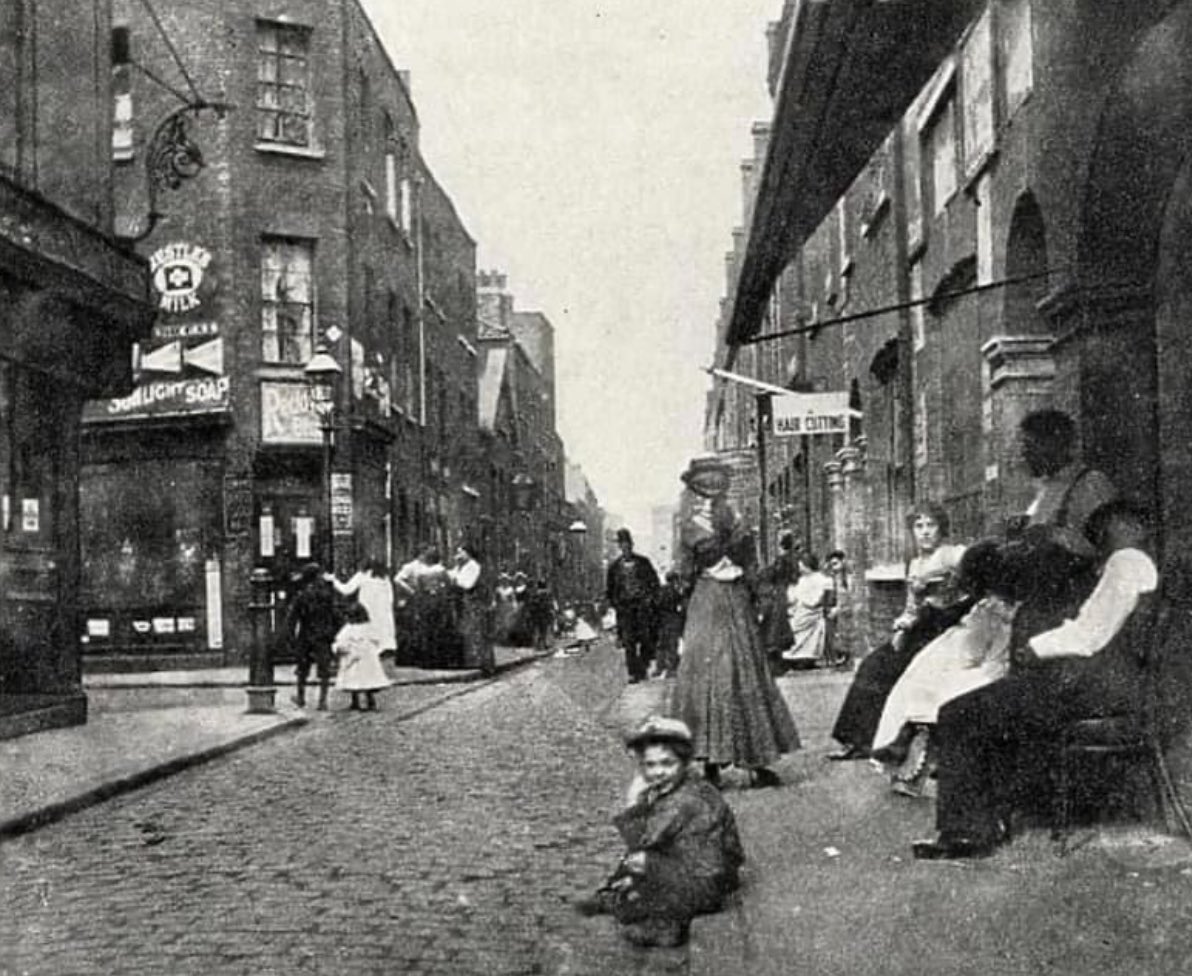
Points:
[(1087, 667)]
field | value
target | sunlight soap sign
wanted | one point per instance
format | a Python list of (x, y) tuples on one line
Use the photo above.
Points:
[(810, 413)]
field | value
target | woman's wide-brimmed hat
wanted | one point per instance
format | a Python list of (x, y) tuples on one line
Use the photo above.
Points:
[(707, 476), (658, 729)]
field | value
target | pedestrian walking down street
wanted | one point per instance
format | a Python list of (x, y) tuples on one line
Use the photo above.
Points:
[(474, 610), (725, 692), (684, 852), (671, 610), (359, 653), (311, 626), (631, 587), (371, 586)]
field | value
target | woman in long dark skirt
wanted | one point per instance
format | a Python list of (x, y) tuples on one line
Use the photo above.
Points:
[(724, 691), (933, 604)]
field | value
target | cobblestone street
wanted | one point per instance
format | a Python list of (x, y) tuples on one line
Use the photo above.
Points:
[(447, 843), (451, 841)]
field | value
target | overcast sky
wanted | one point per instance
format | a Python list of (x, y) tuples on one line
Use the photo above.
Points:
[(593, 151)]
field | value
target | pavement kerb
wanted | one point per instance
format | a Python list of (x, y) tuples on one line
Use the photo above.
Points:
[(25, 822), (52, 812), (463, 676)]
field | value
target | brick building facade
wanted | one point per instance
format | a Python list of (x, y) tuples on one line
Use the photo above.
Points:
[(314, 222), (73, 300), (1015, 240), (526, 519)]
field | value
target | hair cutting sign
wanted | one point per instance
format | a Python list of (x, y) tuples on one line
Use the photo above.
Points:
[(810, 413)]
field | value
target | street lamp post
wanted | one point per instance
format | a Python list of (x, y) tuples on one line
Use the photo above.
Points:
[(578, 531), (322, 373)]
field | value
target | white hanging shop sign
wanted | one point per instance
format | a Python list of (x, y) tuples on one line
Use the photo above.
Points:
[(800, 414)]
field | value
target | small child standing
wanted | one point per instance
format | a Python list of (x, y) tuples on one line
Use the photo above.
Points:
[(359, 653), (683, 850)]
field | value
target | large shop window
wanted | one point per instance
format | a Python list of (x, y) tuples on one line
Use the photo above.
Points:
[(283, 84), (29, 459), (287, 300), (148, 529)]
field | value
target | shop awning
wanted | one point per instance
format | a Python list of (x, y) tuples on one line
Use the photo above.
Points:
[(851, 69)]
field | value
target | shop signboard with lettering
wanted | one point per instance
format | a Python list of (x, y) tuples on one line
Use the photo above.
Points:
[(179, 370), (801, 414), (288, 415), (164, 398), (341, 503)]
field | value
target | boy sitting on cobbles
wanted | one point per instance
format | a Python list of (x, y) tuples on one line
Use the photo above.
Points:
[(684, 853)]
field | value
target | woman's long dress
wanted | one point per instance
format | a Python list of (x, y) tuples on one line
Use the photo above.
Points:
[(375, 594), (807, 600), (724, 690), (473, 617), (964, 658), (936, 605)]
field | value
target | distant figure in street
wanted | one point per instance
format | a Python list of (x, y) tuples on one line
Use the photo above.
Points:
[(773, 581), (631, 587), (359, 653), (836, 566), (426, 583), (505, 613), (671, 609), (372, 588), (683, 853), (473, 609), (310, 627), (808, 603), (725, 692), (540, 614)]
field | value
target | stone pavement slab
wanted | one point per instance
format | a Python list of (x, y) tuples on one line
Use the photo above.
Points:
[(47, 775)]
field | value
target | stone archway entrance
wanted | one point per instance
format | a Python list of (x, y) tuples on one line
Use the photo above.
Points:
[(1123, 344)]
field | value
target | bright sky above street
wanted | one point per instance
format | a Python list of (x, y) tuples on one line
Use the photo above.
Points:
[(593, 150)]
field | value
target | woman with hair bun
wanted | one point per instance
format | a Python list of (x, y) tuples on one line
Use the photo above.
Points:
[(934, 603), (724, 690)]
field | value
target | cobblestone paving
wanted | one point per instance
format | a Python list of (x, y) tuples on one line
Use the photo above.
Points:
[(447, 843)]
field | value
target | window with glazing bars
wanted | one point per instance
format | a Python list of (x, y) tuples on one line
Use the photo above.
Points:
[(287, 300), (283, 84)]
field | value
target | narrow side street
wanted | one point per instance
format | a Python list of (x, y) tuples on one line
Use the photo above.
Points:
[(452, 843)]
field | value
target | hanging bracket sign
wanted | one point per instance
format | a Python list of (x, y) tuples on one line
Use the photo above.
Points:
[(800, 414)]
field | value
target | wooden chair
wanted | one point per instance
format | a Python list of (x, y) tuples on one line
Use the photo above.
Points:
[(1134, 736)]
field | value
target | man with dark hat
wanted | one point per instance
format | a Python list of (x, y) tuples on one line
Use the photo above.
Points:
[(632, 589)]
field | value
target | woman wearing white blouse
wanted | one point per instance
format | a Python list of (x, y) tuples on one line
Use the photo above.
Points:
[(372, 588), (473, 609)]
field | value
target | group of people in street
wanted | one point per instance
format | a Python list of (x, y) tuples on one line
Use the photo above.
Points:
[(800, 607), (1001, 644), (426, 615), (1005, 642)]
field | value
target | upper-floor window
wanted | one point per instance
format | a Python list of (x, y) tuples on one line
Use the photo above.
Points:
[(283, 83), (122, 128), (940, 144), (1017, 52), (391, 192), (406, 203), (287, 300)]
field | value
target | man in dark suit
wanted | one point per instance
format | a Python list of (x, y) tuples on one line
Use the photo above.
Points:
[(1086, 667), (632, 589)]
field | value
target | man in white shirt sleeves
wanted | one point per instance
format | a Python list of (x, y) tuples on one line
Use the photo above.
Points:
[(1087, 667)]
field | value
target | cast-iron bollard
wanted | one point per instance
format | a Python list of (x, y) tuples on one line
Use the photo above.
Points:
[(261, 690)]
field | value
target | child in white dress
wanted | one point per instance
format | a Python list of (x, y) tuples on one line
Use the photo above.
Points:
[(359, 654)]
